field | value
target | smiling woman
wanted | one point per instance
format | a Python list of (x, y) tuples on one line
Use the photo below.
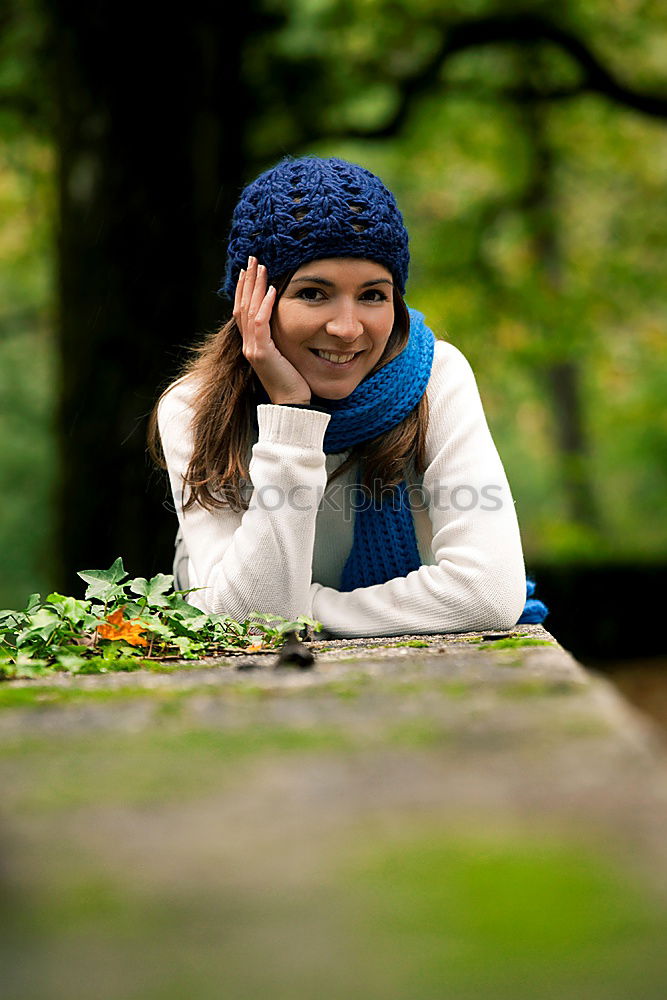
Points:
[(333, 325), (327, 455)]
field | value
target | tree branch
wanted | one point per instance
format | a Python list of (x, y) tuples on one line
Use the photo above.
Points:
[(523, 29)]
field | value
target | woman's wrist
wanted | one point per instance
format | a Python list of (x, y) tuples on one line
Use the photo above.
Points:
[(304, 406)]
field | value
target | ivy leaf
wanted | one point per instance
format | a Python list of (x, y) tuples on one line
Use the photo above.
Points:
[(30, 666), (11, 619), (7, 670), (103, 583), (156, 626), (69, 608), (315, 625), (34, 602), (288, 627), (183, 643), (134, 609), (153, 590), (70, 661), (41, 625), (95, 665), (45, 616), (176, 603)]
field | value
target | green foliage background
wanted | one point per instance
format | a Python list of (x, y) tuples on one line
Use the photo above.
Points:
[(460, 167)]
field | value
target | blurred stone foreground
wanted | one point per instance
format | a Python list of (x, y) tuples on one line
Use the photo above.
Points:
[(456, 818)]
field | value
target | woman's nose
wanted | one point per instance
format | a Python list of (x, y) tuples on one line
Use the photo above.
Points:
[(345, 324)]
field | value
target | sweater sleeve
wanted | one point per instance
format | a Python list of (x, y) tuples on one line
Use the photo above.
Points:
[(477, 580), (259, 559)]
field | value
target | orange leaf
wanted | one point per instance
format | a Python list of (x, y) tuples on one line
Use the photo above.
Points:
[(254, 648), (119, 628)]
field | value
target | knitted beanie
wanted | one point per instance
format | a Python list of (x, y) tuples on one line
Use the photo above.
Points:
[(312, 208)]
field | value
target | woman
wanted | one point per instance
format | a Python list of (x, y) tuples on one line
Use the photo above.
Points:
[(327, 455)]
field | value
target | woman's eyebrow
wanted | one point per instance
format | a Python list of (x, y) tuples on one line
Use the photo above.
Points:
[(331, 284)]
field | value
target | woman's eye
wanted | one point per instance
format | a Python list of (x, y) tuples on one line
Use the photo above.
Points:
[(313, 295), (305, 293)]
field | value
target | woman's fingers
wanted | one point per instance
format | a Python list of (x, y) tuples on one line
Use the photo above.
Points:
[(246, 288), (253, 305), (238, 299), (258, 292), (264, 312), (252, 311)]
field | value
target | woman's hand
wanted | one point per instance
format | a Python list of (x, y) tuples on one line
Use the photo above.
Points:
[(252, 311)]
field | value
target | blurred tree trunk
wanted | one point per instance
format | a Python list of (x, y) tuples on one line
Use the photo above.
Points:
[(562, 379), (150, 124)]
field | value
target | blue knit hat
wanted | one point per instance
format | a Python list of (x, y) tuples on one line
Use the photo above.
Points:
[(312, 208)]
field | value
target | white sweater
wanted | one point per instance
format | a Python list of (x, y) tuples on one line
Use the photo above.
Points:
[(284, 555)]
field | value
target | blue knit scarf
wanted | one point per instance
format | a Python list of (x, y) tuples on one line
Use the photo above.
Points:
[(385, 544)]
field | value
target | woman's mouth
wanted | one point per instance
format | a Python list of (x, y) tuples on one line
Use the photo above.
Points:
[(335, 360)]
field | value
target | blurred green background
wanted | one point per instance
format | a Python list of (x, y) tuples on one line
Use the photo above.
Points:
[(527, 150)]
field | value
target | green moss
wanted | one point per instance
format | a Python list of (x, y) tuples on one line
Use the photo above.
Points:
[(40, 695), (417, 686), (424, 914), (345, 690), (167, 764), (410, 642), (538, 688), (515, 642), (582, 727), (419, 732), (456, 915), (455, 689)]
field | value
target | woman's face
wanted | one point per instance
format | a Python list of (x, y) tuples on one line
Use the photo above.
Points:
[(340, 306)]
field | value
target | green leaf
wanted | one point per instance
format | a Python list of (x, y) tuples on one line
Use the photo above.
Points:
[(44, 617), (70, 661), (156, 626), (95, 665), (34, 602), (42, 625), (28, 666), (315, 625), (183, 643), (68, 607), (11, 620), (154, 589), (132, 609), (176, 603), (103, 583), (114, 649)]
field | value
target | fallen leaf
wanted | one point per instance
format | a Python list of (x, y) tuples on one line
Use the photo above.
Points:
[(129, 630)]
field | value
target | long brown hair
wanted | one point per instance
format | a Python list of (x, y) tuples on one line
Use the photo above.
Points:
[(224, 415)]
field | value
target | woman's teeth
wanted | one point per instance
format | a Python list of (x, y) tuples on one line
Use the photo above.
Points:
[(339, 359)]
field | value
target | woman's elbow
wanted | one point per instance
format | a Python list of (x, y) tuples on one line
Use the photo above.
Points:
[(501, 598)]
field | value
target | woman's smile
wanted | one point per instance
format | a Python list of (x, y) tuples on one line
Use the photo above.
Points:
[(336, 359), (333, 322)]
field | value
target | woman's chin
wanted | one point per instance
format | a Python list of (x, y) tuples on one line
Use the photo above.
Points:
[(331, 395)]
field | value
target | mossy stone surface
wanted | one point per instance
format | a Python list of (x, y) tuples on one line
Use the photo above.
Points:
[(402, 820)]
